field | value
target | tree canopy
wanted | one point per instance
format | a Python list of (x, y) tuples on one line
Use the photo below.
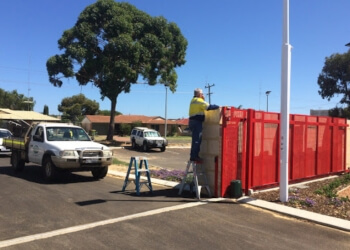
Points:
[(334, 80), (113, 45), (77, 106), (15, 101), (107, 112)]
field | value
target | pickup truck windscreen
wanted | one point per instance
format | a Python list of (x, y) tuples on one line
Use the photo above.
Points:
[(66, 134)]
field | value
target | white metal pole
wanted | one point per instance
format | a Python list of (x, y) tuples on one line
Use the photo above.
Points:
[(166, 110), (267, 100), (285, 100)]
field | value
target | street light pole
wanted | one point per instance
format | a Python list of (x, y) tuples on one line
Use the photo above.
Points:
[(166, 109), (267, 100), (285, 103)]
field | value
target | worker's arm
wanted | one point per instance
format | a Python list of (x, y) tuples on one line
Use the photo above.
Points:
[(212, 107)]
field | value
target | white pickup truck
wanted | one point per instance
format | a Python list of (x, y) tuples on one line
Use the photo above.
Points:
[(59, 147)]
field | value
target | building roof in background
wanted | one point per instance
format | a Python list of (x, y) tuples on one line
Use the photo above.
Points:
[(183, 121), (9, 114), (130, 119)]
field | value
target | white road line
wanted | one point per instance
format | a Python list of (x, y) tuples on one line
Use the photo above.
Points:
[(25, 239)]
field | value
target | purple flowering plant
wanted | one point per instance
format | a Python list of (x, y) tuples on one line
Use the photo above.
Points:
[(308, 202), (296, 200), (169, 175), (336, 202)]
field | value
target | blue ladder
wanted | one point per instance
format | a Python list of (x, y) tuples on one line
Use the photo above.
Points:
[(195, 172), (136, 165)]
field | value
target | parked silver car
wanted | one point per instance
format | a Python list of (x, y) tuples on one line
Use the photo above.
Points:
[(4, 133)]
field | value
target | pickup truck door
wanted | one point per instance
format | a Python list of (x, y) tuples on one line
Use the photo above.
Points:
[(36, 146)]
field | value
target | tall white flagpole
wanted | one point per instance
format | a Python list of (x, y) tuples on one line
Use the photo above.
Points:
[(285, 100)]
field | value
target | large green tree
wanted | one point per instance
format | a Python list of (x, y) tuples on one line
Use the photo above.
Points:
[(335, 80), (113, 45), (76, 107), (14, 100)]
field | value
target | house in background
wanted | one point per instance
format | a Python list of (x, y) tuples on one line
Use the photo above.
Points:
[(183, 126), (100, 123)]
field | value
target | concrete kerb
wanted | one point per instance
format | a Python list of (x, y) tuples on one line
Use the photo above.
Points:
[(299, 213), (290, 211)]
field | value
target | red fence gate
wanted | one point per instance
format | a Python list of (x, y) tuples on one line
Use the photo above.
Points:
[(250, 148)]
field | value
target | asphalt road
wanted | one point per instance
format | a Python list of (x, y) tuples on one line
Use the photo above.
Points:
[(171, 158), (76, 212)]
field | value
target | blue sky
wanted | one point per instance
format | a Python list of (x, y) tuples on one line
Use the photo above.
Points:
[(233, 44)]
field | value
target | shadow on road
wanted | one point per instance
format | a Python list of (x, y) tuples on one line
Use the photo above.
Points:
[(160, 195), (33, 173), (167, 192)]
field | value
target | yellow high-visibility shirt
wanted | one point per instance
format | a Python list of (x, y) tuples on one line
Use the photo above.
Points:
[(197, 107)]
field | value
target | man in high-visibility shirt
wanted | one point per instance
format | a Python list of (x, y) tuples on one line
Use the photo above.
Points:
[(196, 114)]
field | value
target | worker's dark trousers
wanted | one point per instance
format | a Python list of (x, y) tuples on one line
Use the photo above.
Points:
[(196, 127)]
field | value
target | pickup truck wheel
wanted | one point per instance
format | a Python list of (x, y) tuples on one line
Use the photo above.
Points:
[(144, 147), (162, 148), (16, 161), (99, 173), (49, 169)]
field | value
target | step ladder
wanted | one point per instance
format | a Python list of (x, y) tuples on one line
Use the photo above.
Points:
[(135, 165), (194, 170)]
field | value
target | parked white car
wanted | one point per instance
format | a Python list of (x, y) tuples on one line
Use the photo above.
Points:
[(4, 133), (147, 138)]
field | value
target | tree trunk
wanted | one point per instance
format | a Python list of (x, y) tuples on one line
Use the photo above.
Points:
[(111, 121)]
